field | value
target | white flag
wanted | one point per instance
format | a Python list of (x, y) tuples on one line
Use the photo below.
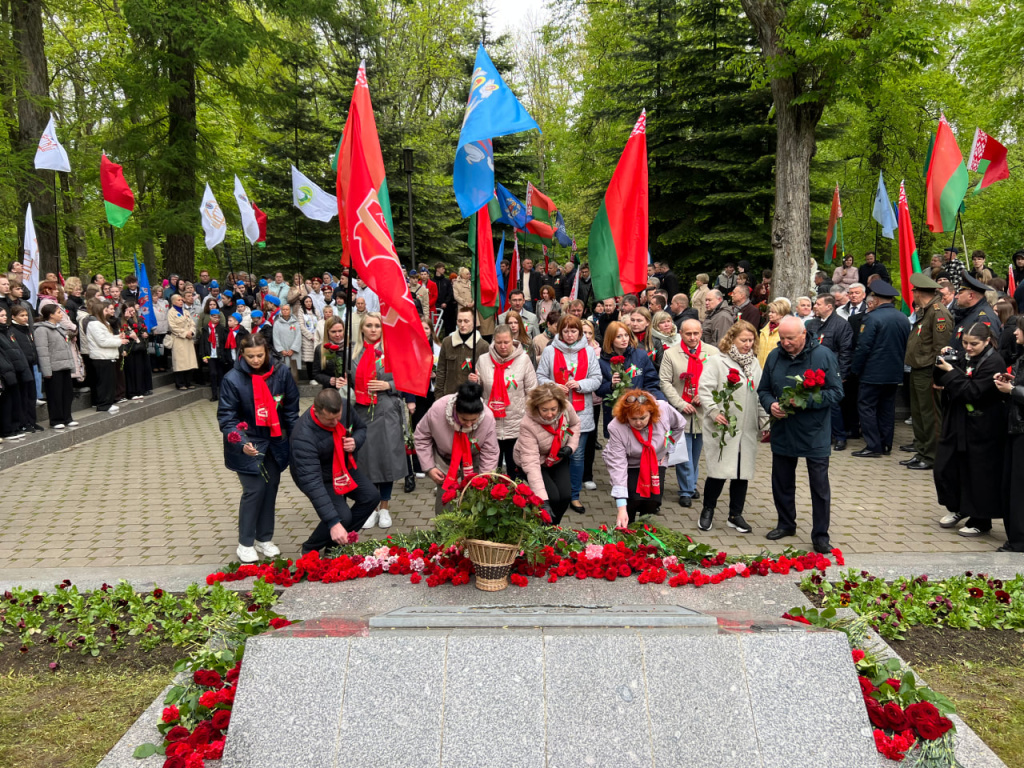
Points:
[(213, 219), (249, 223), (312, 200), (51, 155), (30, 258)]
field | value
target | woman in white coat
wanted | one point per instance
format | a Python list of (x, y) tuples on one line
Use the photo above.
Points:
[(734, 460)]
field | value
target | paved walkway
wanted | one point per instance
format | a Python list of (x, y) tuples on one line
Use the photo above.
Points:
[(157, 494)]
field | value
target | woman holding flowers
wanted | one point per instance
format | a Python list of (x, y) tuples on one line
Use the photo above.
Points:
[(637, 451), (328, 357), (624, 365), (733, 419), (548, 435)]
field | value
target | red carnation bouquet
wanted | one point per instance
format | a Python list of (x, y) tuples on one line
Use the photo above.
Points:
[(723, 398), (806, 390)]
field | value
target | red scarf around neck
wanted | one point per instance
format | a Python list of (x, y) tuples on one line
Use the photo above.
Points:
[(556, 440), (342, 481), (562, 372), (229, 343), (366, 371), (649, 480), (694, 369), (264, 405), (213, 334), (462, 458), (499, 400)]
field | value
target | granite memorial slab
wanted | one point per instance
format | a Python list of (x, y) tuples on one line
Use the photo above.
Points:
[(498, 616)]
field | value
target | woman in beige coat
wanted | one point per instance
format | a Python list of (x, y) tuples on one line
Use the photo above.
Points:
[(548, 436), (733, 459), (182, 337), (508, 403), (462, 287), (697, 300)]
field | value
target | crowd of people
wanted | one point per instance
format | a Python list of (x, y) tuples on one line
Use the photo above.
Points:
[(651, 380)]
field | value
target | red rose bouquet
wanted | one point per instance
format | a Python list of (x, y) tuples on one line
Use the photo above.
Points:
[(494, 508), (806, 390), (723, 398), (626, 378)]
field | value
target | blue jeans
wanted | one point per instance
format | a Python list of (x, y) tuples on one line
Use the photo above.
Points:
[(686, 473), (576, 465), (39, 382)]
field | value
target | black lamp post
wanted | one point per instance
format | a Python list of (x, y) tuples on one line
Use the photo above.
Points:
[(408, 167)]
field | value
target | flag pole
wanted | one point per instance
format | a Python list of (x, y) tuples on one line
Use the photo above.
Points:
[(348, 345), (56, 224), (231, 269), (955, 224), (113, 253), (476, 292)]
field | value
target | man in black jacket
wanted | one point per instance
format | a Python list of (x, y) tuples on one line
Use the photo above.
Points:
[(871, 266), (327, 478), (833, 332)]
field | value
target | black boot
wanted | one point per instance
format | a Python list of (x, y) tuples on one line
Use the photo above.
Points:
[(706, 516)]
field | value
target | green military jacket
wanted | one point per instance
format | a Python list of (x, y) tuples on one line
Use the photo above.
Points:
[(932, 331)]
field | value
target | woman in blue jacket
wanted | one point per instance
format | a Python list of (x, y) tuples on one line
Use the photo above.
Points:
[(636, 366), (259, 404)]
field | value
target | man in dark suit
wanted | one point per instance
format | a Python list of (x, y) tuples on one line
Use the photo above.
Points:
[(531, 284), (871, 267)]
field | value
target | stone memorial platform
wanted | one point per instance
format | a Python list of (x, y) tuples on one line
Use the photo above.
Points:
[(548, 686)]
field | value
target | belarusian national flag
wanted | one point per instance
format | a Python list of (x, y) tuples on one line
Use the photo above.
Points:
[(832, 237), (618, 236), (261, 222), (909, 261), (541, 228), (987, 150), (481, 243), (947, 181), (366, 235), (117, 195), (372, 155)]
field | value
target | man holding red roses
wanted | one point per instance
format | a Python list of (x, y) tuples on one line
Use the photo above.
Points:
[(802, 425)]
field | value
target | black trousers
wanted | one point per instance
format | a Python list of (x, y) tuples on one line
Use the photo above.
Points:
[(558, 485), (364, 500), (851, 416), (590, 451), (505, 449), (27, 407), (259, 498), (106, 376), (638, 505), (737, 494), (877, 408), (59, 396), (784, 493), (181, 379), (10, 407), (422, 406), (216, 374), (1012, 493), (138, 378)]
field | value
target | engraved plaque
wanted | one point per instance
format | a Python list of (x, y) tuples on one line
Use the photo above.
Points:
[(498, 616)]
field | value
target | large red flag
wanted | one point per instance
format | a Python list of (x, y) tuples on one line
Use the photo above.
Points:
[(485, 260), (909, 260), (410, 357)]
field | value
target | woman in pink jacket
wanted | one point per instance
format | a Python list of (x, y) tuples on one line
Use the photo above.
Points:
[(639, 441), (548, 435), (457, 440)]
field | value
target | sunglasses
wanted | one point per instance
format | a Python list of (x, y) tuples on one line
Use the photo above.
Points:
[(642, 399)]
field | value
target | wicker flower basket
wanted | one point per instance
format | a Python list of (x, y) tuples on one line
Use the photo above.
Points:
[(493, 563)]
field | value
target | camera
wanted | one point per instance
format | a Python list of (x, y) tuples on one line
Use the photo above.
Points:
[(950, 357)]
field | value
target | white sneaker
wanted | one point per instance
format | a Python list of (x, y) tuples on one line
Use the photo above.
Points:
[(58, 426), (909, 422), (40, 403), (950, 520), (123, 400), (370, 521), (420, 475), (113, 409), (970, 531), (266, 548), (16, 436), (384, 519), (137, 397), (247, 554), (72, 423), (590, 485)]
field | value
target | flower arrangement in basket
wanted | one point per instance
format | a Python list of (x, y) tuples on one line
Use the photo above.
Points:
[(490, 517)]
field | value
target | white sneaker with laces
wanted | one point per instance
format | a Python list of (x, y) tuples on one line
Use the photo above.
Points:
[(16, 436), (384, 519), (370, 521), (113, 409), (420, 475), (950, 520), (72, 423), (970, 531), (247, 554), (266, 548), (590, 485), (58, 426)]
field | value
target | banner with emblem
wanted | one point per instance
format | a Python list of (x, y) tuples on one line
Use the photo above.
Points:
[(311, 200), (245, 209), (30, 256), (214, 224), (50, 155)]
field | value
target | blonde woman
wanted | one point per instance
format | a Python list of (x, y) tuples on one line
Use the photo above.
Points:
[(328, 355), (664, 335), (548, 435), (697, 300), (462, 286), (640, 326), (769, 340)]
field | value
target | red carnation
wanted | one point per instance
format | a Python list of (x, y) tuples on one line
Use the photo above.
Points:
[(733, 377), (858, 655), (545, 517), (279, 623), (618, 360), (242, 425), (234, 437), (499, 492), (221, 719), (415, 578), (480, 481), (170, 714)]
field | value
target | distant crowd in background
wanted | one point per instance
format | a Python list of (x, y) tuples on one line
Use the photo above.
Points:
[(647, 379)]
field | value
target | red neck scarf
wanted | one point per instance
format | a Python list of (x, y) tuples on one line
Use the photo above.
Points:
[(694, 368), (562, 372), (641, 337), (556, 440), (341, 478), (263, 401), (229, 343), (772, 326), (462, 458), (213, 334), (499, 389), (649, 480), (365, 372)]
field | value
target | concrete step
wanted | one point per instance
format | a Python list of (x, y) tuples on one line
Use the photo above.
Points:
[(83, 400), (93, 424)]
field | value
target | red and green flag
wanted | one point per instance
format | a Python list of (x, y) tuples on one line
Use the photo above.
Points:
[(542, 227), (117, 195), (988, 157), (909, 260), (946, 182), (833, 240), (618, 236), (481, 243), (261, 220)]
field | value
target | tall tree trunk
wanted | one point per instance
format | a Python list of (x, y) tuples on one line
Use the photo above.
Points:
[(74, 234), (182, 140), (33, 98), (796, 123)]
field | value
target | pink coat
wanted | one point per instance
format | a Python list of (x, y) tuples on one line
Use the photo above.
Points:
[(622, 451), (433, 439), (533, 446)]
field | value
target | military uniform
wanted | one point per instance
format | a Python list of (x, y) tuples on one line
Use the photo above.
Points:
[(981, 312), (932, 332)]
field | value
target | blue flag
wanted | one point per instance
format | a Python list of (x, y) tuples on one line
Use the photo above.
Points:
[(492, 110), (501, 277), (513, 212), (882, 211), (145, 297), (561, 235)]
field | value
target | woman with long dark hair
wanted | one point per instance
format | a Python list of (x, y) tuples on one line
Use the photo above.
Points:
[(138, 378), (105, 352)]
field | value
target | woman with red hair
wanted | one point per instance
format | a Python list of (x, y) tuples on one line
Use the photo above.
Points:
[(639, 441)]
